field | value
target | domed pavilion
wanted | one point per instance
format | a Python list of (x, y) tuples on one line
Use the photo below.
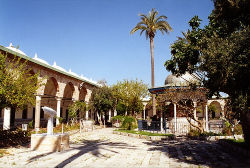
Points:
[(183, 104)]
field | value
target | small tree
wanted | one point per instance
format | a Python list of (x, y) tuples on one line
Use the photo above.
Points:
[(102, 100), (77, 106), (17, 85), (129, 95)]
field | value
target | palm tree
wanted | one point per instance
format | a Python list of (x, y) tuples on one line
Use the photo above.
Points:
[(150, 24)]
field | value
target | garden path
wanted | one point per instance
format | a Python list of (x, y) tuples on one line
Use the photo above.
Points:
[(101, 148)]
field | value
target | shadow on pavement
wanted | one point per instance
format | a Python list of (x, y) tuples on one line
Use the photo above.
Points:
[(202, 153), (93, 146)]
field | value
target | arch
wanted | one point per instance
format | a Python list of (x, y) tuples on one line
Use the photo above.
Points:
[(32, 72), (51, 87), (82, 94), (68, 90), (218, 109)]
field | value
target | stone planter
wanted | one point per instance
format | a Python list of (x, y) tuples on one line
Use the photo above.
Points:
[(49, 143)]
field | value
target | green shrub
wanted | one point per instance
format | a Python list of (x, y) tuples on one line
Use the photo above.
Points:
[(228, 130), (127, 122), (118, 117), (13, 138), (30, 125)]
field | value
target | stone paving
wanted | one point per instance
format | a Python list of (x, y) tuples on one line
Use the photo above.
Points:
[(101, 148)]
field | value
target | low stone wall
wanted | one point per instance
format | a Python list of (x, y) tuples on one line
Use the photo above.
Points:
[(153, 138), (215, 138)]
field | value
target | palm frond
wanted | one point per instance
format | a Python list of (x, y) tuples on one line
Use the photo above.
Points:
[(151, 23)]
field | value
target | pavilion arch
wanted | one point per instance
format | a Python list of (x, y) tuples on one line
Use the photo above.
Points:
[(218, 108)]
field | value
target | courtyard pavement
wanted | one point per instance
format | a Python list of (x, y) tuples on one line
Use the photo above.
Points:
[(101, 148)]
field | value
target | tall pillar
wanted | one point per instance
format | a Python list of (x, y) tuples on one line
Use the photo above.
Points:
[(206, 111), (6, 120), (109, 115), (144, 112), (175, 118), (195, 106), (161, 120), (87, 112), (87, 115), (38, 110), (58, 110), (223, 111)]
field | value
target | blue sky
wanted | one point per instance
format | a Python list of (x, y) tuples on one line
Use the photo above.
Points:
[(92, 37)]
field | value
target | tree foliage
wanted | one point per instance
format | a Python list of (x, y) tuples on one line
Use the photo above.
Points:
[(75, 107), (17, 85), (129, 95), (219, 53), (151, 23), (102, 100)]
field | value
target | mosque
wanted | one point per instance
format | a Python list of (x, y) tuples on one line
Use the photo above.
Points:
[(61, 89)]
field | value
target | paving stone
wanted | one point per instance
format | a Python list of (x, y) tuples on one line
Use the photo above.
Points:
[(102, 148)]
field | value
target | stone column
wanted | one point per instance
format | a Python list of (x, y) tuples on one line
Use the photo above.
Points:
[(144, 112), (109, 115), (195, 116), (38, 110), (58, 110), (195, 106), (223, 111), (6, 120), (161, 120), (206, 117), (115, 113), (175, 118), (87, 113)]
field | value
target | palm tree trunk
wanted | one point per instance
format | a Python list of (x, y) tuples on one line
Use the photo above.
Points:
[(152, 73)]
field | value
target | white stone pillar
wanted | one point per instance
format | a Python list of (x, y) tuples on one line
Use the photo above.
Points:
[(109, 115), (50, 126), (223, 111), (38, 110), (87, 115), (161, 121), (206, 111), (6, 120), (195, 106), (58, 110), (175, 118), (144, 112), (115, 113)]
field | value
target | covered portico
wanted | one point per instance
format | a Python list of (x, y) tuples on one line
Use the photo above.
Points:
[(59, 89)]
